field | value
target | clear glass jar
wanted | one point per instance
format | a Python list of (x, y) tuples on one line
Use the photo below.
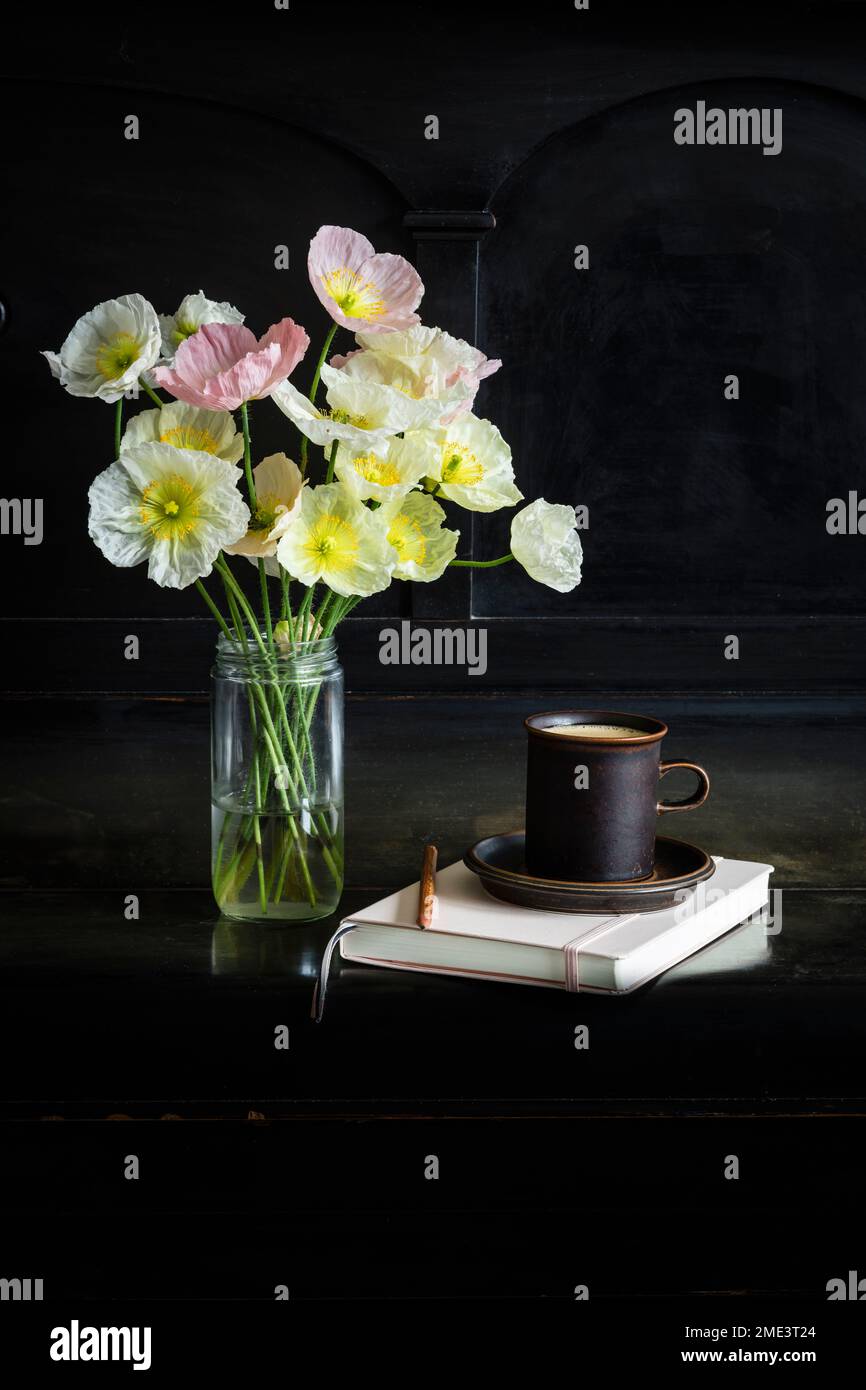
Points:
[(277, 779)]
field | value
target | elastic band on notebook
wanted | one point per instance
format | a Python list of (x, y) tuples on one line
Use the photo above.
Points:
[(572, 949)]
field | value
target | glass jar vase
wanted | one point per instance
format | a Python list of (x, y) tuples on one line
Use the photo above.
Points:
[(277, 779)]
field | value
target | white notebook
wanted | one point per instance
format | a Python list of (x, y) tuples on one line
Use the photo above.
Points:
[(477, 936)]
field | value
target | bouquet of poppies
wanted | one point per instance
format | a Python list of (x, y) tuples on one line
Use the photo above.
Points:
[(402, 453)]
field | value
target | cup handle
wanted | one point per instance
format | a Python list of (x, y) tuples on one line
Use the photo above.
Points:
[(696, 799)]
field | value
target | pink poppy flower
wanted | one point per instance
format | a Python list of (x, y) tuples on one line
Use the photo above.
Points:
[(360, 289), (223, 365)]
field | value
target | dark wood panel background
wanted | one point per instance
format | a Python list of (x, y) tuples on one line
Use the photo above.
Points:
[(703, 262), (707, 516)]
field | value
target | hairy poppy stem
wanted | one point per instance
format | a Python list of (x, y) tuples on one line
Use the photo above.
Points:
[(481, 564)]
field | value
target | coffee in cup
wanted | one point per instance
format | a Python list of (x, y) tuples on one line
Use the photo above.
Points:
[(594, 731)]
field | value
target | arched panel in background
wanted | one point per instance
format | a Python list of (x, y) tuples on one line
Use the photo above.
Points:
[(200, 200), (703, 262)]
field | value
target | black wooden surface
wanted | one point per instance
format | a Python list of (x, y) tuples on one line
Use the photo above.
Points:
[(503, 1223), (113, 793), (760, 1023)]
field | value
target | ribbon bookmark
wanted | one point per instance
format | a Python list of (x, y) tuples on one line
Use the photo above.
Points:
[(321, 987)]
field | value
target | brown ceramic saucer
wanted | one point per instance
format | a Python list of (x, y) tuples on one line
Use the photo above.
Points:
[(499, 863)]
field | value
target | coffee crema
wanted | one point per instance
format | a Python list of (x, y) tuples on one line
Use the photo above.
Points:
[(594, 731)]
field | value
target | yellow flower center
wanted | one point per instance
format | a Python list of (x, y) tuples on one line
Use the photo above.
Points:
[(343, 417), (117, 355), (400, 379), (354, 297), (414, 392), (169, 508), (264, 518), (182, 330), (408, 539), (376, 470), (460, 466), (185, 437), (332, 543)]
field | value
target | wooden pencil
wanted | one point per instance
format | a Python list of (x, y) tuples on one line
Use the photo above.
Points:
[(427, 889)]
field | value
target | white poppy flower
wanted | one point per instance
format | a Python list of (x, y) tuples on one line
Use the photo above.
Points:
[(425, 363), (193, 311), (278, 485), (108, 349), (341, 391), (359, 413), (175, 508), (333, 537), (424, 547), (388, 471), (545, 542), (474, 466), (186, 427)]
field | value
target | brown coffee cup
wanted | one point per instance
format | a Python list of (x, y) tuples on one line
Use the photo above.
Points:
[(592, 797)]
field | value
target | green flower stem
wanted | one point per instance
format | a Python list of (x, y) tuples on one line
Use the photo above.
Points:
[(338, 609), (281, 879), (266, 606), (273, 741), (349, 605), (336, 615), (296, 691), (254, 772), (248, 462), (305, 443), (118, 427), (270, 733), (299, 772), (231, 885), (251, 490), (337, 612), (256, 826), (232, 874), (480, 564), (301, 732), (241, 600), (286, 606), (328, 616), (213, 608), (283, 714), (153, 396), (321, 619), (330, 475), (278, 857), (325, 609), (304, 613), (317, 376), (240, 630)]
